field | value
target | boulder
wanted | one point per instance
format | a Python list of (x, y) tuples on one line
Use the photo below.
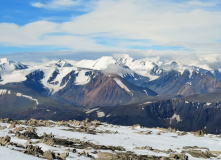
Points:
[(179, 156), (106, 156), (199, 133), (135, 126), (2, 127), (64, 155), (33, 150), (48, 155), (5, 140), (28, 142)]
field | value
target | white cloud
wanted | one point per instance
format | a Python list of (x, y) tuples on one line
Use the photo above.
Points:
[(165, 25), (192, 24), (56, 4)]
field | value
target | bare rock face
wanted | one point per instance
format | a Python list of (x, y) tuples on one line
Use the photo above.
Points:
[(103, 90)]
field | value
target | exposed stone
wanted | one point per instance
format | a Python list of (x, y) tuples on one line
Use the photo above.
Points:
[(199, 133), (106, 156), (5, 140), (31, 129), (199, 153), (50, 142), (135, 125), (28, 142), (48, 155), (12, 125), (179, 156), (27, 135), (19, 129), (2, 127), (33, 150)]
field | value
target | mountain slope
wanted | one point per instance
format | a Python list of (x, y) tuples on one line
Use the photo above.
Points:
[(185, 84), (19, 102), (103, 90)]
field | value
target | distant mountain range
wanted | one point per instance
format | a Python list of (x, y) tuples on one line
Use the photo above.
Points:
[(68, 87)]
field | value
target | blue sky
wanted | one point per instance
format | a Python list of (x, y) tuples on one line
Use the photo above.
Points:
[(151, 26)]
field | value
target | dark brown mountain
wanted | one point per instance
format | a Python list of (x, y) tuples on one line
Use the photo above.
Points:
[(105, 90)]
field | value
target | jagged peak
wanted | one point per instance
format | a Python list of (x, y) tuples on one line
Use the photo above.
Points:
[(6, 64), (63, 63)]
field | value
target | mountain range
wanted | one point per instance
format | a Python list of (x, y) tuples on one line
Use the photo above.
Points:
[(123, 90)]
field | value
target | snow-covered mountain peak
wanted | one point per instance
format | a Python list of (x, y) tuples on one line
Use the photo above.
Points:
[(103, 62), (125, 59), (7, 65), (63, 63)]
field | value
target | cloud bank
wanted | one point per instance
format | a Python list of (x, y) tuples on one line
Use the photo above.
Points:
[(194, 26)]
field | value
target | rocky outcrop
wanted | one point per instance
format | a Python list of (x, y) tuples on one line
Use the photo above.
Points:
[(84, 148), (5, 140)]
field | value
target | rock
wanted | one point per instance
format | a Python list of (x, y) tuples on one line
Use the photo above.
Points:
[(12, 125), (172, 130), (217, 153), (48, 155), (136, 125), (10, 132), (2, 127), (33, 121), (199, 133), (183, 133), (28, 142), (29, 135), (50, 142), (64, 155), (179, 156), (31, 129), (19, 129), (5, 140), (106, 156), (33, 150), (76, 123), (7, 120), (199, 153)]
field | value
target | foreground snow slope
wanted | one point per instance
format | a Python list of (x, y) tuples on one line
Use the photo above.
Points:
[(85, 140)]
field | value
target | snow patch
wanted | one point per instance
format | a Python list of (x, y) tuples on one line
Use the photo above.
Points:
[(62, 73), (91, 110), (148, 102), (189, 83), (28, 97), (100, 114), (3, 91), (82, 79), (122, 85), (176, 117), (145, 92)]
